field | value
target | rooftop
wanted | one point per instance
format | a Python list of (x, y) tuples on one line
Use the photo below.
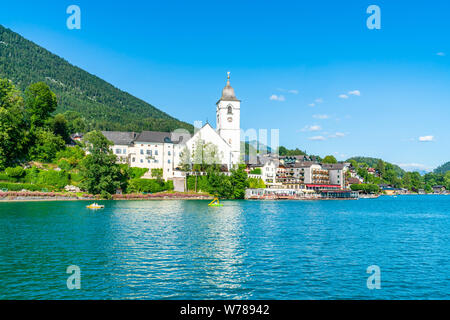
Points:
[(119, 137)]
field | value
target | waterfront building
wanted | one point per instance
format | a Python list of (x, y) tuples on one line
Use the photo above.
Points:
[(439, 189), (267, 170), (336, 173)]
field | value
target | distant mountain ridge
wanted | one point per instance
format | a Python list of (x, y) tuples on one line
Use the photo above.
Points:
[(103, 105)]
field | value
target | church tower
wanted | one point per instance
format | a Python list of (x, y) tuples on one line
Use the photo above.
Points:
[(228, 119)]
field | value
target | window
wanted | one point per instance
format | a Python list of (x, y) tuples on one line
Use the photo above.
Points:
[(156, 152), (149, 152), (124, 151), (148, 160), (168, 161), (168, 153), (156, 161), (134, 159), (117, 151), (230, 110), (142, 160), (142, 151)]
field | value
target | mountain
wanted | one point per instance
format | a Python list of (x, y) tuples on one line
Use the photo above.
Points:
[(104, 106), (443, 169), (372, 162)]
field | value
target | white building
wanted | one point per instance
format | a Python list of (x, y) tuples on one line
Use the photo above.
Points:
[(336, 172), (163, 150)]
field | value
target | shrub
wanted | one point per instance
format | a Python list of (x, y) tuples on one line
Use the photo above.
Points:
[(5, 177), (57, 179), (105, 195), (169, 185), (255, 183), (71, 155), (366, 188), (20, 186), (64, 164), (31, 175), (148, 185), (16, 172), (136, 173), (75, 178), (70, 152)]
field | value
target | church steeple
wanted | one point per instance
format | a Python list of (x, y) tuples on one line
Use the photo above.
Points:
[(228, 119), (228, 92)]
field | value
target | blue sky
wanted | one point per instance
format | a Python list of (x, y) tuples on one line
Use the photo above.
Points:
[(312, 70)]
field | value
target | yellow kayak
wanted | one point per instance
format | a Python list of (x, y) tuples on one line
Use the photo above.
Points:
[(95, 206), (215, 203)]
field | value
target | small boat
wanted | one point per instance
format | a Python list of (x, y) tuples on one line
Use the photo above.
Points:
[(215, 203), (95, 206)]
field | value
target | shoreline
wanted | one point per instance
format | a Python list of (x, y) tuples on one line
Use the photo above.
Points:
[(21, 196), (30, 197)]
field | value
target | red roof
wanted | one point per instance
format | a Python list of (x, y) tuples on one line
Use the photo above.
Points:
[(323, 185)]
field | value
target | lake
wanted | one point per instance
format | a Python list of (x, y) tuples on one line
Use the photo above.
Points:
[(243, 250)]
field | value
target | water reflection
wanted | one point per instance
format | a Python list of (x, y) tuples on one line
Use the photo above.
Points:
[(245, 249)]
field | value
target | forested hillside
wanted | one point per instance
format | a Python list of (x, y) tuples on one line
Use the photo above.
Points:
[(443, 168), (101, 104), (372, 162)]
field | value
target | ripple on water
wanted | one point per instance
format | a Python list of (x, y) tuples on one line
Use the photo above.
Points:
[(244, 250)]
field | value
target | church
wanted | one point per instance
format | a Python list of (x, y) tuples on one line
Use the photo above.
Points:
[(164, 150)]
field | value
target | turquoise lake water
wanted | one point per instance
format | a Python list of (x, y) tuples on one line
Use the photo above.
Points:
[(243, 250)]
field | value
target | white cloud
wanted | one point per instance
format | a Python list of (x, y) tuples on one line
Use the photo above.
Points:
[(311, 104), (319, 100), (321, 116), (343, 96), (292, 91), (354, 93), (274, 97), (317, 138), (441, 54), (338, 135), (426, 138), (312, 128)]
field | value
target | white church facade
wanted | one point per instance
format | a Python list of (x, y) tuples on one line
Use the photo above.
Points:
[(164, 150)]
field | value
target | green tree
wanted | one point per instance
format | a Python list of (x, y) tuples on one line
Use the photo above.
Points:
[(157, 173), (45, 145), (76, 123), (13, 137), (60, 127), (255, 183), (329, 159), (99, 171), (283, 151), (381, 168), (40, 102), (238, 180)]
